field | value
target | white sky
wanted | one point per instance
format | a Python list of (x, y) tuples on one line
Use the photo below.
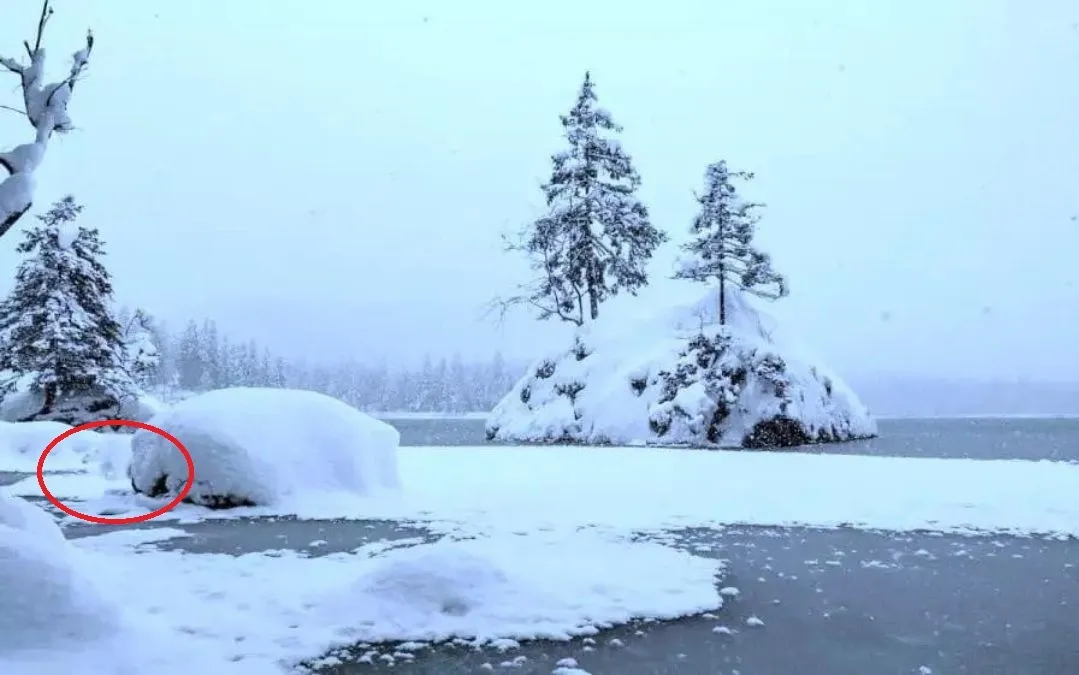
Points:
[(332, 178)]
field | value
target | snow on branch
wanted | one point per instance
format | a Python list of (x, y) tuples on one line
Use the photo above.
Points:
[(45, 106)]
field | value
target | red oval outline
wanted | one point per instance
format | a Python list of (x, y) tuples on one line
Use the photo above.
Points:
[(100, 520)]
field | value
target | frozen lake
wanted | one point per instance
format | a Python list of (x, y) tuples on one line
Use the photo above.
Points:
[(832, 602), (970, 438)]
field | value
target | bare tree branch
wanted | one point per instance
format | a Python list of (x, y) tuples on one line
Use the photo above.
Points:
[(45, 107), (46, 13), (12, 109)]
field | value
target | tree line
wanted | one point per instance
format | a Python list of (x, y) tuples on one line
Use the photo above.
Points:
[(201, 358)]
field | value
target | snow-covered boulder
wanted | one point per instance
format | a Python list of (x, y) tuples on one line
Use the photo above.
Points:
[(258, 446), (679, 378), (47, 600)]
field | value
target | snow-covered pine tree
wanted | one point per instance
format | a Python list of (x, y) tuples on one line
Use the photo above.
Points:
[(210, 351), (721, 249), (596, 237), (189, 361), (45, 107), (142, 358), (57, 326)]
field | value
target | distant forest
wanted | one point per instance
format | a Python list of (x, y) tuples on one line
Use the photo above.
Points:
[(201, 358)]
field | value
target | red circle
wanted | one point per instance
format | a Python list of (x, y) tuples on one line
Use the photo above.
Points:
[(116, 521)]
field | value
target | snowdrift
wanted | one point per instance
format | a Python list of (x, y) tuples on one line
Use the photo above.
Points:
[(520, 586), (679, 378), (256, 447), (21, 444), (48, 602)]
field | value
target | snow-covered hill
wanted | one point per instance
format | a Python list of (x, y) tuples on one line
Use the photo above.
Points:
[(677, 377)]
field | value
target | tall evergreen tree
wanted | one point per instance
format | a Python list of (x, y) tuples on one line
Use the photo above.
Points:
[(596, 239), (721, 249), (189, 360), (210, 351), (142, 357), (57, 325)]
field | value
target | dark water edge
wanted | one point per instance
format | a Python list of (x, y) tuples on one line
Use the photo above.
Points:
[(1054, 439)]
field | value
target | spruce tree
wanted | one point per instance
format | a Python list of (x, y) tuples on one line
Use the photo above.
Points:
[(721, 249), (596, 238), (142, 357), (57, 325), (189, 362), (210, 352)]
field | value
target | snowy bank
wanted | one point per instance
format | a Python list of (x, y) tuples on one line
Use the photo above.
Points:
[(48, 602), (21, 445), (519, 586), (255, 447), (526, 489), (285, 608), (679, 378)]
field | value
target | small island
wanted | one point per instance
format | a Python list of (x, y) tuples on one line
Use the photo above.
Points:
[(706, 370)]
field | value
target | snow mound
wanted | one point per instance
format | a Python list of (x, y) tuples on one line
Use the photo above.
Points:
[(48, 602), (521, 587), (257, 447), (677, 377), (21, 444)]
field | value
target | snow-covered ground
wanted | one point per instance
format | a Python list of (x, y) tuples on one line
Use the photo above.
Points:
[(260, 614), (510, 488), (537, 542)]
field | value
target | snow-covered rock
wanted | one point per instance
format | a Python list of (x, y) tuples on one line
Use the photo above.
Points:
[(679, 378), (47, 600), (255, 446)]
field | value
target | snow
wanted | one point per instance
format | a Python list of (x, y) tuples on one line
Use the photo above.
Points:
[(66, 234), (642, 489), (262, 446), (48, 600), (628, 379), (22, 403), (521, 586), (22, 443), (216, 609), (46, 110)]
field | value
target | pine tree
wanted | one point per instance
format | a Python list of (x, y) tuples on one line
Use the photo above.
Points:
[(210, 352), (265, 369), (189, 363), (142, 358), (165, 375), (596, 239), (57, 325), (721, 249), (280, 376)]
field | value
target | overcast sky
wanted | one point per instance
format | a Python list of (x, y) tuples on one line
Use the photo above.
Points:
[(332, 178)]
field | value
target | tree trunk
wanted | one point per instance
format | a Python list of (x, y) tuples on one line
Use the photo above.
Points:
[(722, 301), (50, 399)]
